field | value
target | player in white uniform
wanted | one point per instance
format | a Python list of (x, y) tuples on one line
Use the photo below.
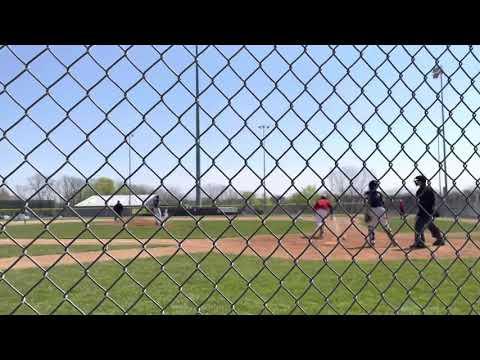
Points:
[(154, 206)]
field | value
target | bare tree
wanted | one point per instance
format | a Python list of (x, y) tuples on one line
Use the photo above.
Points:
[(140, 189), (212, 191), (5, 194), (135, 189), (23, 191), (337, 182), (40, 188), (170, 197), (360, 179), (221, 194), (229, 195), (349, 180), (70, 187)]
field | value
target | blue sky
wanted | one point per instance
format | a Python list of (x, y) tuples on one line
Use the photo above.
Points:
[(371, 104)]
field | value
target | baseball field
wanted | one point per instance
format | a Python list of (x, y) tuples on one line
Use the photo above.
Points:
[(245, 266)]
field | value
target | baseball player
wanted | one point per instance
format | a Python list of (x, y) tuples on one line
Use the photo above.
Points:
[(425, 215), (376, 213), (323, 208), (118, 210), (402, 208), (154, 206)]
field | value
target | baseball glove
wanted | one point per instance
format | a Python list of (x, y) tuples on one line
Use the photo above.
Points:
[(367, 217)]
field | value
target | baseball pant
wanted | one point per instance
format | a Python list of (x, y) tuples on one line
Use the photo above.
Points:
[(422, 222), (158, 216), (378, 215), (117, 215), (320, 217)]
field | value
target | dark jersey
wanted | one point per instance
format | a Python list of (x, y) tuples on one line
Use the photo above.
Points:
[(374, 198), (425, 201), (118, 208)]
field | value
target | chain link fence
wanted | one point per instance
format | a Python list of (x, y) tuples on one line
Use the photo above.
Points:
[(239, 143)]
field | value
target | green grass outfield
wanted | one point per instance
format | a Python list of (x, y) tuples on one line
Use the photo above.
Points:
[(398, 224), (188, 229), (35, 250), (407, 293), (179, 229)]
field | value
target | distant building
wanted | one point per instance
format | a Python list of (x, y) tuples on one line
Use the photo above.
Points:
[(101, 201)]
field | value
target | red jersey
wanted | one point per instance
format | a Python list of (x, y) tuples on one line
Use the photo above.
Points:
[(323, 204)]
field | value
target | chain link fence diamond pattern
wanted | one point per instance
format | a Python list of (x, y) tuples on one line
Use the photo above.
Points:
[(238, 142)]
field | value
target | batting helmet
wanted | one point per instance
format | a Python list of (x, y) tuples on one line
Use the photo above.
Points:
[(421, 179)]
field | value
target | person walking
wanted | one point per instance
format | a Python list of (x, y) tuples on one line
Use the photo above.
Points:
[(118, 210), (153, 205), (323, 208), (426, 214), (376, 214)]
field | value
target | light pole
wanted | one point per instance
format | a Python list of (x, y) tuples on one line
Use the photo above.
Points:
[(438, 72), (263, 128), (198, 198), (129, 142), (438, 155)]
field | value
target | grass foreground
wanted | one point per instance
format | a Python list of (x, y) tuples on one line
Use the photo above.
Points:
[(219, 285), (7, 251)]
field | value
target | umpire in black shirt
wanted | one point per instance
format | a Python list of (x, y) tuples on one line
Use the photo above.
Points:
[(118, 209), (425, 216)]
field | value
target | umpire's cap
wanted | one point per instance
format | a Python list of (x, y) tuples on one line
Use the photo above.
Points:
[(373, 184), (421, 178)]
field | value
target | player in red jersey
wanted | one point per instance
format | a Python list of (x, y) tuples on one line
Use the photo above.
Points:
[(402, 208), (323, 208)]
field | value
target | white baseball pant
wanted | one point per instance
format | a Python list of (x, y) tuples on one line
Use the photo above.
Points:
[(320, 217), (378, 215), (158, 216)]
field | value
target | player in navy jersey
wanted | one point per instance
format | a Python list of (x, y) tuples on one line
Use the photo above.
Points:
[(376, 213)]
